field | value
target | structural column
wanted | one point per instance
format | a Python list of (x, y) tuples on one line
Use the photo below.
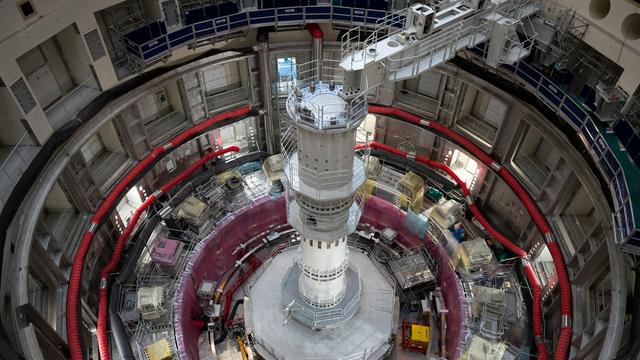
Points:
[(271, 123)]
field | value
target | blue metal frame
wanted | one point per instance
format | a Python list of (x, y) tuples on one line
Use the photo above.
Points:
[(151, 42), (584, 125)]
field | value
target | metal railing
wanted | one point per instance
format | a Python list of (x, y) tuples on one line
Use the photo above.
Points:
[(355, 50), (324, 181), (445, 42), (324, 76)]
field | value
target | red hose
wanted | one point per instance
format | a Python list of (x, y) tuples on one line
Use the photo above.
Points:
[(73, 291), (103, 298), (536, 289), (315, 31), (564, 340)]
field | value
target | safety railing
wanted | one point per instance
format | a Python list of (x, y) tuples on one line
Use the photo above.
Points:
[(334, 314), (160, 42), (321, 180), (437, 49), (324, 227), (334, 115)]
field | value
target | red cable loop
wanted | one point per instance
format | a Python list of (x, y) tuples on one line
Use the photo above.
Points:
[(564, 340), (73, 291), (103, 299)]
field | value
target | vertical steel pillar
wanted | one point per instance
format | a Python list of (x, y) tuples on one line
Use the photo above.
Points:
[(271, 122)]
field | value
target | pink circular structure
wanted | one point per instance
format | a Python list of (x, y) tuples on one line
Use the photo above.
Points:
[(212, 259)]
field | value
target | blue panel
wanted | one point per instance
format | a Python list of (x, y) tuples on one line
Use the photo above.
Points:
[(290, 17), (194, 16), (238, 20), (140, 35), (211, 12), (262, 13), (611, 159), (238, 17), (363, 4), (376, 14), (590, 131), (341, 10), (342, 17), (153, 44), (576, 120), (589, 96), (318, 16), (550, 96), (599, 145), (531, 72), (533, 82), (576, 109), (621, 187), (629, 217), (271, 19), (371, 20), (624, 226), (203, 26), (204, 33), (178, 42), (186, 31), (221, 25), (607, 167), (289, 11), (357, 19), (553, 89), (623, 130), (317, 10), (157, 29), (379, 4), (152, 53), (633, 147), (358, 12), (228, 8)]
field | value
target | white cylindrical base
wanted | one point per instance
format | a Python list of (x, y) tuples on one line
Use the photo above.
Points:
[(323, 265)]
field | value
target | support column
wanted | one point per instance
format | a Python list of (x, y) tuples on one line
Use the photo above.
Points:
[(316, 46), (271, 123)]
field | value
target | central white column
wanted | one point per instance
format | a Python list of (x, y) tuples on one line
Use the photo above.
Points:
[(322, 184)]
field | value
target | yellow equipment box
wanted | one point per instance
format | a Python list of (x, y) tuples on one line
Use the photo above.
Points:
[(419, 333), (159, 350)]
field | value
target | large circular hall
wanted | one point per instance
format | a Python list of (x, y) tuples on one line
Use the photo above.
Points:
[(319, 179)]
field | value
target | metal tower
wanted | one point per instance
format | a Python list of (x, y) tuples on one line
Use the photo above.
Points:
[(323, 176)]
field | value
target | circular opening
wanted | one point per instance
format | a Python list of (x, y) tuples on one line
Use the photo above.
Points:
[(631, 27), (393, 43), (599, 9)]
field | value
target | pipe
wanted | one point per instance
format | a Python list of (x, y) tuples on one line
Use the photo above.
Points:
[(316, 47), (232, 314), (75, 278), (564, 340), (103, 337), (271, 122), (117, 329)]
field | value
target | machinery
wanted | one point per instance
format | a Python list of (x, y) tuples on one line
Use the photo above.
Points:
[(415, 337)]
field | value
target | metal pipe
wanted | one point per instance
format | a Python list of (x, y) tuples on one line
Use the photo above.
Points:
[(316, 47), (271, 123)]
